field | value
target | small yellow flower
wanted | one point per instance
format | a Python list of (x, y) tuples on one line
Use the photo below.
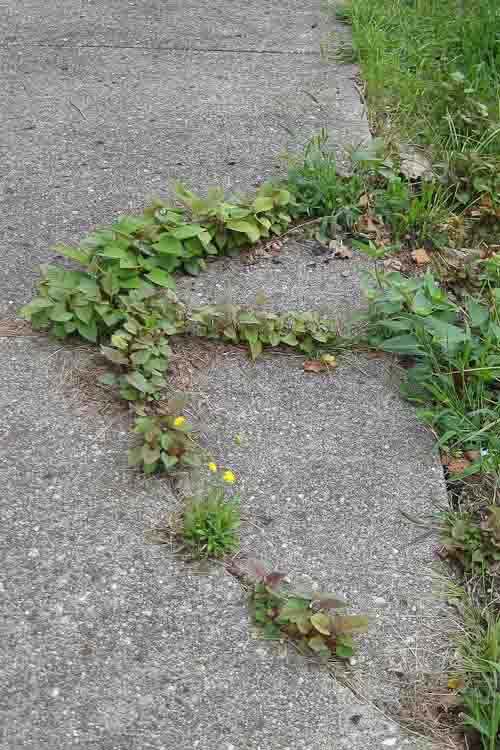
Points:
[(212, 467), (179, 421), (229, 477)]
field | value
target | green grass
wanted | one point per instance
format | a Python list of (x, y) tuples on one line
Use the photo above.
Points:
[(210, 525), (432, 70), (479, 653)]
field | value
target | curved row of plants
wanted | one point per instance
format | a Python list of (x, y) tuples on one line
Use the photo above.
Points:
[(124, 301)]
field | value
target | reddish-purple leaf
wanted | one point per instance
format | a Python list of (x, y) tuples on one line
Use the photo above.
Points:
[(274, 579)]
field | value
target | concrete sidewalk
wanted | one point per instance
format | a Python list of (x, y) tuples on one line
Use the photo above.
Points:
[(110, 643)]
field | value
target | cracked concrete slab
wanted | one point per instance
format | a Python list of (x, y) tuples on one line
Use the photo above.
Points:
[(110, 643), (91, 132), (288, 26), (329, 462)]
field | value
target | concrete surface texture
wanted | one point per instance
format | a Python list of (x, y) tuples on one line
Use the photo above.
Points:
[(104, 104), (110, 642)]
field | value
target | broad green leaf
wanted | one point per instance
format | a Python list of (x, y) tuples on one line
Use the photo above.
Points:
[(141, 357), (245, 227), (90, 288), (169, 245), (478, 314), (169, 461), (137, 380), (449, 336), (60, 314), (322, 623), (84, 313), (262, 203), (205, 238), (248, 318), (421, 304), (186, 231), (129, 261), (73, 253), (115, 250), (343, 651), (271, 632), (110, 283), (120, 340), (59, 330), (317, 644), (294, 605), (35, 306), (406, 344), (283, 198), (87, 331), (255, 347), (191, 459), (264, 221), (290, 339), (162, 278), (166, 440), (114, 355), (129, 224), (129, 281), (150, 455)]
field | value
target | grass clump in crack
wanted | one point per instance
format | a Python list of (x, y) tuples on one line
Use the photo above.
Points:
[(210, 521)]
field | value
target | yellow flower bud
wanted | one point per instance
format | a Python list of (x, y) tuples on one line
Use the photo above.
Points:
[(229, 477), (179, 421), (212, 467)]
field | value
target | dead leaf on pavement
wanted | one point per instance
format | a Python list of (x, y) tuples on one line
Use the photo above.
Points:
[(314, 365), (327, 362), (340, 250), (421, 256)]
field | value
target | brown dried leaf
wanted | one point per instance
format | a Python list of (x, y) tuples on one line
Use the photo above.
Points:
[(415, 164), (421, 256), (342, 252), (458, 465), (367, 225), (315, 365), (350, 623), (392, 264)]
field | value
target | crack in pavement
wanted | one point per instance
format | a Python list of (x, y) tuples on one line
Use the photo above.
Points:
[(216, 50)]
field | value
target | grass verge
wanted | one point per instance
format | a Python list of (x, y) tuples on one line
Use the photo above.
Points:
[(432, 74), (431, 70)]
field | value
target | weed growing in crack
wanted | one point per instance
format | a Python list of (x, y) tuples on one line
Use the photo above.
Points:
[(167, 444), (307, 617), (210, 522)]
